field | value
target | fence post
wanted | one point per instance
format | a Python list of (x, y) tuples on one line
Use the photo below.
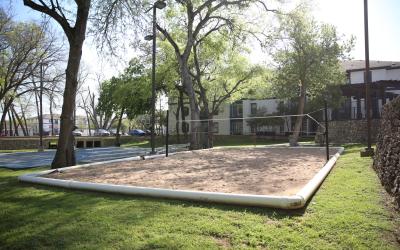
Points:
[(326, 131), (167, 135)]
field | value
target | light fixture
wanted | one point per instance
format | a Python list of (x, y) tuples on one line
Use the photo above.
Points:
[(148, 37), (160, 4)]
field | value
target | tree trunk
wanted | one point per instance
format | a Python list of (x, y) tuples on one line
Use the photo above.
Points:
[(37, 109), (24, 131), (210, 133), (182, 107), (194, 108), (3, 116), (24, 118), (178, 136), (65, 155), (14, 121), (51, 117), (10, 132), (299, 119), (118, 136), (88, 122)]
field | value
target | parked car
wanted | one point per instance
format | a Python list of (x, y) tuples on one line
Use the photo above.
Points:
[(45, 133), (114, 132), (137, 132), (77, 133), (148, 132), (101, 132)]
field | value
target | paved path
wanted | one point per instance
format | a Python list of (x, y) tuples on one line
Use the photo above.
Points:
[(36, 159)]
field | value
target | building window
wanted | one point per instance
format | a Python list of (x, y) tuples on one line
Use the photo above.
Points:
[(185, 127), (185, 111), (236, 127), (253, 108), (236, 110)]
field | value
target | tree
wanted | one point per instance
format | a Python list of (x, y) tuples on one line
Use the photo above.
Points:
[(5, 28), (184, 23), (25, 46), (221, 74), (75, 32), (134, 82), (129, 93), (307, 61), (106, 109), (190, 22)]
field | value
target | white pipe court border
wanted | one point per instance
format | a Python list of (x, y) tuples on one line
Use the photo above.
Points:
[(296, 201)]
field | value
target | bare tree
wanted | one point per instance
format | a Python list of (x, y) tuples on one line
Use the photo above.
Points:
[(89, 104), (27, 46)]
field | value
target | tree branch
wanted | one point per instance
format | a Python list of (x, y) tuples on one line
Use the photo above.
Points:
[(51, 12)]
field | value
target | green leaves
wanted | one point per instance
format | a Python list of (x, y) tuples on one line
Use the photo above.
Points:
[(309, 56), (131, 91)]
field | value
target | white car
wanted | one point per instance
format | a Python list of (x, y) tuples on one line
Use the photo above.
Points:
[(76, 133), (114, 132), (101, 132)]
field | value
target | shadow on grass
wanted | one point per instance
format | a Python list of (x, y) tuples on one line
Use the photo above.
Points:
[(277, 213), (36, 215)]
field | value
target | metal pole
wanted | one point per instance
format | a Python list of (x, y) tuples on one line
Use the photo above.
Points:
[(367, 76), (326, 131), (41, 110), (167, 135), (153, 84)]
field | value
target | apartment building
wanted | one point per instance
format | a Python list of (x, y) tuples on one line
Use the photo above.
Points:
[(51, 127), (385, 85), (243, 117)]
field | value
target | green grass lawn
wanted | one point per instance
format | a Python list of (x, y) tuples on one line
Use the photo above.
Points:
[(346, 213)]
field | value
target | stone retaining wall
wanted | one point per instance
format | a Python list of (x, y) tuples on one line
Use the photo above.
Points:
[(387, 157), (352, 131), (15, 143)]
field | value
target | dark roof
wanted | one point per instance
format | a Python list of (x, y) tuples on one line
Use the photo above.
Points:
[(357, 65), (358, 89)]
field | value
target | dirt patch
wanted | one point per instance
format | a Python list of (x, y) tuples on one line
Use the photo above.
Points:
[(223, 242), (275, 171)]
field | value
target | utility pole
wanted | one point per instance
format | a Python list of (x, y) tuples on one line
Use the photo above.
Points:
[(369, 151), (41, 149)]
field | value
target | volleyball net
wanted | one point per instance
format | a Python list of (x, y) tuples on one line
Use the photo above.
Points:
[(250, 129)]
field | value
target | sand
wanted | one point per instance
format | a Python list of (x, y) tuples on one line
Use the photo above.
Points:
[(264, 171)]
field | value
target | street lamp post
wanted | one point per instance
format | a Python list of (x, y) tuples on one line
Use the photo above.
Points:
[(40, 149), (157, 5), (369, 151)]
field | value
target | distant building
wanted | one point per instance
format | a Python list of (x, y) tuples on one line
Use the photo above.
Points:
[(385, 77), (51, 127), (234, 119)]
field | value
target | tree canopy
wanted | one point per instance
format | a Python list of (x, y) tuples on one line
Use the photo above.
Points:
[(307, 61)]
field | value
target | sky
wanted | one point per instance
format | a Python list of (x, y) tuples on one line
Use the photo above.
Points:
[(346, 15), (384, 22)]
